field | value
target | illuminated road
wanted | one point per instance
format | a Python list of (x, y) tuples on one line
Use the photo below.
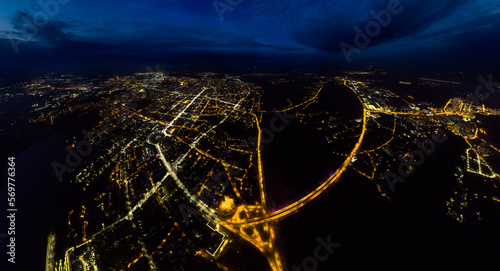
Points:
[(185, 108), (296, 206), (192, 198)]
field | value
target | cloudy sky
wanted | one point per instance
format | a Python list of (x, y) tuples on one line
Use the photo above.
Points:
[(46, 33)]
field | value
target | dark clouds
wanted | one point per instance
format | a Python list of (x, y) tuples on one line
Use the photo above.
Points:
[(50, 31), (149, 30), (327, 32)]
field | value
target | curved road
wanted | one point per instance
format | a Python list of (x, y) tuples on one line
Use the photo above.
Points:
[(292, 208)]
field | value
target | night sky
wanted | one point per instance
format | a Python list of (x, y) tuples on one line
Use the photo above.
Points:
[(117, 33)]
